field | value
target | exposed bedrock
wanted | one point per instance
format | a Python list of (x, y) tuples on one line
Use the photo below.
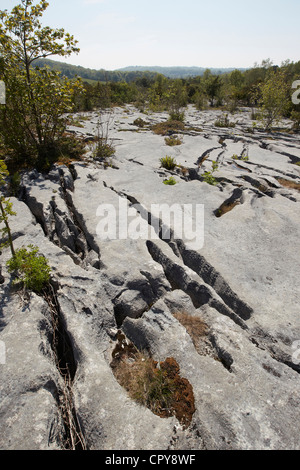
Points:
[(226, 308)]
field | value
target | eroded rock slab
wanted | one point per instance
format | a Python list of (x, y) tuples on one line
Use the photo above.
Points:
[(239, 282)]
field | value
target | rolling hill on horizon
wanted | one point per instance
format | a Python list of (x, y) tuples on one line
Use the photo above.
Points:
[(178, 71), (129, 73)]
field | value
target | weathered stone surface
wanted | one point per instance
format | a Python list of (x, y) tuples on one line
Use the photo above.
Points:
[(240, 283), (29, 416)]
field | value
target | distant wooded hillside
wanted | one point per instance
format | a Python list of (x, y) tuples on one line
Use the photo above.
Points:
[(128, 74), (101, 75), (178, 72)]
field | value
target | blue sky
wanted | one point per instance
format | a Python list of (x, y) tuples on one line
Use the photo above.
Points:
[(210, 33)]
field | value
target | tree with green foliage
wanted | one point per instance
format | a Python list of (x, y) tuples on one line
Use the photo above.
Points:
[(275, 98), (36, 98), (177, 99), (158, 93), (212, 86), (233, 89)]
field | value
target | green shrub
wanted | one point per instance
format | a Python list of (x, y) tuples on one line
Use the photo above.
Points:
[(64, 150), (224, 122), (139, 122), (176, 116), (169, 163), (30, 268), (103, 150), (295, 116)]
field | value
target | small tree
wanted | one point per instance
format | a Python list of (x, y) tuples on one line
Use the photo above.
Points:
[(212, 85), (274, 98), (36, 98), (177, 100)]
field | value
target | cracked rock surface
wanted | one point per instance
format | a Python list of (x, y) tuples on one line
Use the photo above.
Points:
[(241, 283)]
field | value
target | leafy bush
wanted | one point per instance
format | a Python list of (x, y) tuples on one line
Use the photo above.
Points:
[(30, 268), (64, 150), (169, 163)]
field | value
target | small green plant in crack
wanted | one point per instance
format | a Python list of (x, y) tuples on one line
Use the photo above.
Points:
[(215, 165), (30, 268), (5, 211), (167, 162), (170, 182), (208, 175), (209, 178), (244, 157)]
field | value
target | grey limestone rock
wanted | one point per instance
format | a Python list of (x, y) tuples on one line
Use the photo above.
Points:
[(226, 310)]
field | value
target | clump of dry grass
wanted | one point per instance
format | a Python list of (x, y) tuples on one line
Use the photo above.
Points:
[(195, 326), (158, 386), (145, 383), (164, 128), (289, 184), (168, 162), (173, 140)]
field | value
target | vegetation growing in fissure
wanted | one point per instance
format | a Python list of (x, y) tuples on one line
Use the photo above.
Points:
[(156, 385)]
